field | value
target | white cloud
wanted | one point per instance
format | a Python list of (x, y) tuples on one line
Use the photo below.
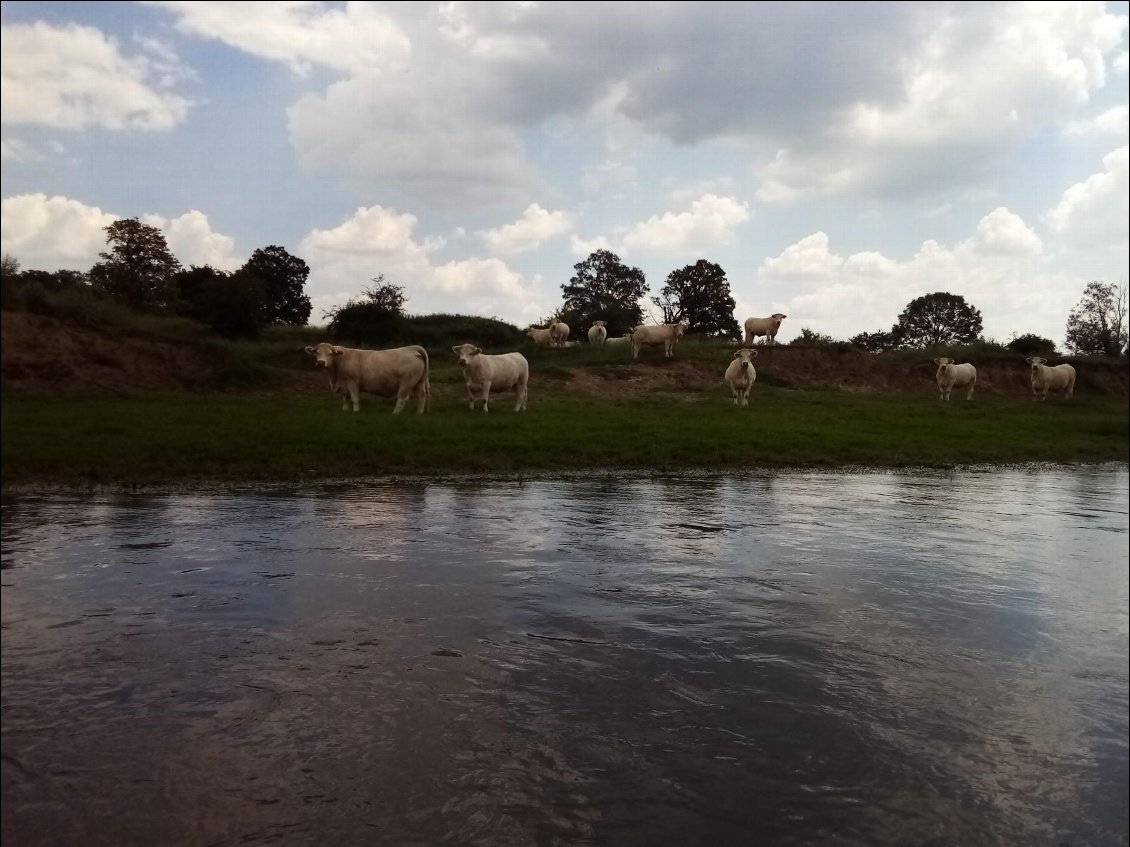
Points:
[(17, 150), (584, 247), (359, 37), (536, 226), (807, 259), (1096, 212), (74, 77), (192, 241), (376, 240), (53, 233), (999, 270), (1114, 121), (709, 223), (1001, 233)]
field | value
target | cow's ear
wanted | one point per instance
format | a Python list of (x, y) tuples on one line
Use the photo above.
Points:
[(753, 354), (477, 351), (338, 351), (309, 349)]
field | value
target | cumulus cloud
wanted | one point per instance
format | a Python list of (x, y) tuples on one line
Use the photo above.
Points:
[(536, 226), (709, 222), (74, 77), (357, 38), (53, 233), (380, 241), (998, 269), (1096, 212), (1114, 121), (190, 238)]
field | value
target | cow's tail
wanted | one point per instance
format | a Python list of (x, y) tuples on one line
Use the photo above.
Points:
[(426, 384)]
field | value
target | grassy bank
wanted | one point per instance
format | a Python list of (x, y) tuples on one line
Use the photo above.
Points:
[(177, 439)]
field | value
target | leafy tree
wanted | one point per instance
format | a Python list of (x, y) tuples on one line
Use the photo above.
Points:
[(385, 297), (1097, 324), (602, 288), (700, 295), (231, 305), (284, 278), (138, 267), (1031, 345), (9, 266), (876, 342), (939, 318)]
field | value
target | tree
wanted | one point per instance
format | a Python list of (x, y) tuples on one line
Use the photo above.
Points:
[(9, 267), (385, 297), (139, 267), (1031, 345), (812, 338), (700, 295), (939, 318), (231, 305), (604, 289), (1097, 324), (283, 278), (876, 342)]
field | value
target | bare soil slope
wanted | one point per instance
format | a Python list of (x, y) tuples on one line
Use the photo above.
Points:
[(44, 355)]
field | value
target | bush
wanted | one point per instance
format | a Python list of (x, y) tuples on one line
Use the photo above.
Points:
[(1032, 345), (367, 324)]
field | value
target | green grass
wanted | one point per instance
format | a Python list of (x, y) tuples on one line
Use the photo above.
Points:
[(182, 439)]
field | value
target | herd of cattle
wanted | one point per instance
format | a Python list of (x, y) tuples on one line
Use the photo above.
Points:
[(402, 372)]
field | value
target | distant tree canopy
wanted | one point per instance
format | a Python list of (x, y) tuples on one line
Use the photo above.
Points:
[(602, 288), (138, 267), (1031, 345), (283, 278), (700, 295), (376, 315), (1097, 324), (939, 318), (875, 342), (811, 338)]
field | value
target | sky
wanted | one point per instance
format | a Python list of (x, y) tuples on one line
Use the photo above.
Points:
[(836, 160)]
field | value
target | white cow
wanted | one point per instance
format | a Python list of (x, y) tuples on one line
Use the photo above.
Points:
[(598, 332), (541, 336), (951, 375), (558, 333), (1045, 379), (741, 375), (620, 339), (666, 334), (401, 372), (768, 327), (503, 371)]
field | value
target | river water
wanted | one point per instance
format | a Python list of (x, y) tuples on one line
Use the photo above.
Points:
[(909, 658)]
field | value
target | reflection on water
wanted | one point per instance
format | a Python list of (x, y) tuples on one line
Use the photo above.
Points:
[(872, 659)]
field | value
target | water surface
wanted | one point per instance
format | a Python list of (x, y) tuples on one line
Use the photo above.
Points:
[(778, 658)]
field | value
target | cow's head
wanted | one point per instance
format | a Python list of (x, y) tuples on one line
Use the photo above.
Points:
[(682, 327), (599, 323), (324, 354), (747, 356), (778, 317), (943, 363), (466, 352), (1036, 362)]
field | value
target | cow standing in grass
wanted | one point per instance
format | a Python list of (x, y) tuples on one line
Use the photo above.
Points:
[(951, 375), (741, 376), (401, 372), (501, 372), (1045, 379)]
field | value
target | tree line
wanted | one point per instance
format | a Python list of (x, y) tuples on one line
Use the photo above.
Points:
[(269, 289)]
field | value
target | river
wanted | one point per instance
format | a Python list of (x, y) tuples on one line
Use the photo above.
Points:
[(779, 658)]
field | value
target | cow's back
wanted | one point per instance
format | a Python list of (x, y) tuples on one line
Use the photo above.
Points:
[(384, 371)]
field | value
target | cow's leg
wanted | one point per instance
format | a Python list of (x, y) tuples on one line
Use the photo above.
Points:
[(403, 394), (486, 395), (345, 400), (422, 389), (520, 404), (969, 394), (355, 396)]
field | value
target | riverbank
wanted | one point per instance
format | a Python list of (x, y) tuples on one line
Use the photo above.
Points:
[(179, 440)]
